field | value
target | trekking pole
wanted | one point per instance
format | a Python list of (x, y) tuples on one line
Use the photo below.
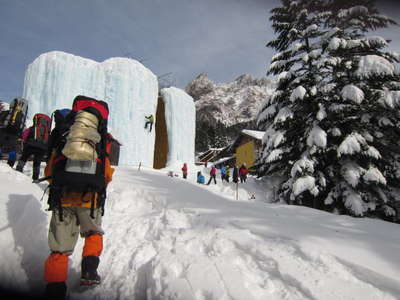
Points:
[(237, 191), (41, 179), (273, 192), (140, 164)]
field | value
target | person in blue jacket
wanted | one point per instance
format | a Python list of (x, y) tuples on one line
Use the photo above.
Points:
[(223, 173), (200, 178), (12, 157)]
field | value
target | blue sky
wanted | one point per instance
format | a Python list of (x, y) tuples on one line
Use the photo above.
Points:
[(224, 38)]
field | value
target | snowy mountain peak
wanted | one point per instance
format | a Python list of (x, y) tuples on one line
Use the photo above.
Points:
[(229, 103), (199, 86), (223, 109)]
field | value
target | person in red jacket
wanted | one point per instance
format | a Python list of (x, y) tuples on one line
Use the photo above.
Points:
[(184, 170), (213, 173), (243, 173)]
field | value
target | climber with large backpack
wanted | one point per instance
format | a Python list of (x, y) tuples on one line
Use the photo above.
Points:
[(14, 120), (35, 139), (79, 171), (12, 123)]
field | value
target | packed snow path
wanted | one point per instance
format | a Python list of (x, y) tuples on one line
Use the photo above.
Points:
[(168, 238)]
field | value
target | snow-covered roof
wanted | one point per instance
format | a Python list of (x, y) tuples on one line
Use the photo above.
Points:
[(221, 160), (254, 133)]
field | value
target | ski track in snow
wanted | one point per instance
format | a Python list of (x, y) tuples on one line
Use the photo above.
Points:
[(160, 247)]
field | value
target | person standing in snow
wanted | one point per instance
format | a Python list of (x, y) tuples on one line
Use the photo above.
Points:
[(184, 170), (63, 236), (235, 175), (76, 210), (228, 174), (243, 173), (223, 173), (150, 121), (28, 150), (213, 174), (200, 178)]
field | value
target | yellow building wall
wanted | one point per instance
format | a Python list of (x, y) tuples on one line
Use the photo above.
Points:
[(245, 154)]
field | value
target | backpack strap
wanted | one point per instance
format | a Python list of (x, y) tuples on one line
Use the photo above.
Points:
[(54, 200), (92, 207)]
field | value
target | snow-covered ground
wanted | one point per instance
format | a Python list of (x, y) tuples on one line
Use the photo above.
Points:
[(170, 238)]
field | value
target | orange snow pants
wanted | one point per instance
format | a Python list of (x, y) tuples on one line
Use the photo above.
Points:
[(63, 236)]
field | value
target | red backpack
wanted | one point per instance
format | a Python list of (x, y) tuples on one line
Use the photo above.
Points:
[(39, 136)]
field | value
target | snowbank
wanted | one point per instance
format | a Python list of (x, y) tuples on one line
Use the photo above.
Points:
[(170, 238)]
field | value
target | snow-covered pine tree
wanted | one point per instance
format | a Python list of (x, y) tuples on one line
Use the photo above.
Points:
[(364, 96), (330, 125), (293, 116)]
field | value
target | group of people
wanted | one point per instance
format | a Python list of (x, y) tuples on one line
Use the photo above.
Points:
[(225, 171), (77, 191), (237, 174)]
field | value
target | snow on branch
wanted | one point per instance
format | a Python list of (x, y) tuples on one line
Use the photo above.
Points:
[(274, 155), (352, 93), (374, 64), (306, 183), (298, 93), (385, 121), (354, 202), (351, 144), (296, 47), (283, 76), (277, 65), (375, 41), (335, 131), (372, 152), (390, 98), (388, 211), (312, 27), (267, 113), (374, 175), (334, 44), (317, 137), (353, 11), (352, 173), (283, 114), (278, 138), (302, 166), (321, 112)]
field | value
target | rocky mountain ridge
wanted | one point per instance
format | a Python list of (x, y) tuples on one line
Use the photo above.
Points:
[(222, 110)]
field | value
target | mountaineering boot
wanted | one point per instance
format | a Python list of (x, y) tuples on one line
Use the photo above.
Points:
[(56, 291), (11, 163), (20, 166), (12, 157), (89, 274)]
